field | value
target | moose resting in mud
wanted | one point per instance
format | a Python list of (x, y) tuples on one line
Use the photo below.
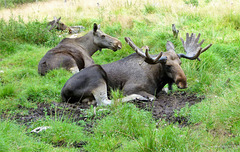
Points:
[(74, 54), (140, 75)]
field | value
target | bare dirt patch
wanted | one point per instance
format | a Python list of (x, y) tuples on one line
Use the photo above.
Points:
[(163, 108), (166, 105)]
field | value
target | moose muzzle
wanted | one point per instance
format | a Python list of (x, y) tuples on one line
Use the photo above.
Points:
[(117, 45), (181, 82)]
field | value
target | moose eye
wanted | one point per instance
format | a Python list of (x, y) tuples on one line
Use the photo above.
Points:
[(168, 67), (102, 36)]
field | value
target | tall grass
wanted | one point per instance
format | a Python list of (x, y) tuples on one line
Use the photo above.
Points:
[(15, 31)]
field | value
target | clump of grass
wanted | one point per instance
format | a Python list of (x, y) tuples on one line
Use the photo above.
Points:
[(232, 19), (63, 133), (150, 8), (192, 2), (124, 123), (7, 91), (39, 94)]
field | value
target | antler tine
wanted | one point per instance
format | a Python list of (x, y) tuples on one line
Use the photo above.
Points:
[(157, 59), (201, 42), (191, 37), (192, 48), (148, 58), (135, 48), (197, 39), (147, 52), (187, 38), (207, 47)]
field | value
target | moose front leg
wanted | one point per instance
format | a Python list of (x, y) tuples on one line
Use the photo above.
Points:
[(133, 97), (100, 95), (139, 90), (147, 95)]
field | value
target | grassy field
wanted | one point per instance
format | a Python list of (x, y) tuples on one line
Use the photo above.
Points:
[(215, 122)]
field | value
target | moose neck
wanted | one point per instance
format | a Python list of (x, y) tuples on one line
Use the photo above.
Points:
[(161, 77), (87, 43)]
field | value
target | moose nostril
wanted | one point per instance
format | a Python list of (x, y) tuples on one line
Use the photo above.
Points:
[(182, 85), (119, 46)]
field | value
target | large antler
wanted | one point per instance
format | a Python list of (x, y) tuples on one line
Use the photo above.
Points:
[(192, 48), (148, 58)]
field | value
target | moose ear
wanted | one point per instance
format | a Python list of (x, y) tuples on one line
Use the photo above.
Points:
[(170, 46), (99, 26), (95, 27), (58, 19)]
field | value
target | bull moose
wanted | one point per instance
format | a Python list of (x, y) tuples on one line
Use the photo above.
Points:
[(140, 75), (74, 54)]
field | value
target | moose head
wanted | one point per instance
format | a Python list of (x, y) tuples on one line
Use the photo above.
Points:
[(55, 23), (105, 41), (170, 60)]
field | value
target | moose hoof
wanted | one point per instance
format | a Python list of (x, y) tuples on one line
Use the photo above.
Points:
[(151, 98), (142, 98), (74, 70)]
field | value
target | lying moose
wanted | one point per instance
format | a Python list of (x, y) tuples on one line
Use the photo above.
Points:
[(55, 23), (74, 54), (139, 75)]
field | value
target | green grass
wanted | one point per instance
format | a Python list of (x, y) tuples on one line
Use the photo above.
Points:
[(14, 138), (61, 131), (215, 121)]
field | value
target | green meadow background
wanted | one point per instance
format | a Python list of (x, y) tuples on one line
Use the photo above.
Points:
[(215, 122)]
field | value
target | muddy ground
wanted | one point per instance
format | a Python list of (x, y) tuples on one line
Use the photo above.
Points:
[(163, 108)]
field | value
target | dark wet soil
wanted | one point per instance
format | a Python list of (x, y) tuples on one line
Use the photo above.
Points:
[(162, 108), (166, 105)]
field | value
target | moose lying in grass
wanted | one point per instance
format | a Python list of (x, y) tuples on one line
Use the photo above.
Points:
[(55, 23), (139, 75), (74, 54)]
